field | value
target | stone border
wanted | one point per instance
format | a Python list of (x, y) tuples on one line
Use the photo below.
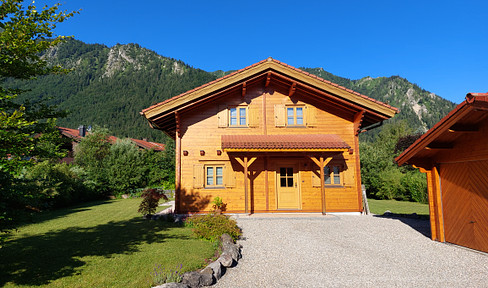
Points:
[(231, 253)]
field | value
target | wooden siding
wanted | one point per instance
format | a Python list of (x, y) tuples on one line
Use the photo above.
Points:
[(201, 130), (465, 203)]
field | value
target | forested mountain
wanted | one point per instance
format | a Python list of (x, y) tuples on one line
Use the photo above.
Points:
[(109, 86)]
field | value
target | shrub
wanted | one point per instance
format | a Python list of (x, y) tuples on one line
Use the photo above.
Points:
[(150, 201), (124, 166), (415, 185), (211, 226), (162, 275)]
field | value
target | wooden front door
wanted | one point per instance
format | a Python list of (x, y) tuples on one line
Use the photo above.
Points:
[(287, 186), (465, 203)]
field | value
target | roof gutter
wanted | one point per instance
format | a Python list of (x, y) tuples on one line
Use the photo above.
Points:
[(370, 127)]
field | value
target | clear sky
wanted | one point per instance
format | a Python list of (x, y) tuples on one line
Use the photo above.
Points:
[(440, 45)]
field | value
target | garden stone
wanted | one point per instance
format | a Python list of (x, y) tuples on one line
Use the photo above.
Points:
[(172, 285), (226, 238), (206, 279), (226, 259), (217, 269), (195, 279)]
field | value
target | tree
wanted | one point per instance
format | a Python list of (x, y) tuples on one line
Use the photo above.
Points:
[(25, 32)]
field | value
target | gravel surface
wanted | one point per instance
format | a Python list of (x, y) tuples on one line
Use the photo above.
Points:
[(346, 251)]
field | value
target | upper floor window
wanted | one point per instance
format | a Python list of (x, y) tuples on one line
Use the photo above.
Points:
[(238, 117), (294, 116)]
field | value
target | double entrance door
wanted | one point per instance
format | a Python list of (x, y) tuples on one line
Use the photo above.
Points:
[(287, 186)]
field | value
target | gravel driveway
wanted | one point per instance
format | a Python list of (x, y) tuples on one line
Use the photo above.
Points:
[(346, 251)]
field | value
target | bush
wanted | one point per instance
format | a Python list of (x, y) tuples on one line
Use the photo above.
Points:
[(150, 202), (54, 185), (211, 226), (124, 166), (415, 185)]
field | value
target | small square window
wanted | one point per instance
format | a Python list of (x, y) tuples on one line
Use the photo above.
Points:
[(214, 176), (294, 116), (238, 117)]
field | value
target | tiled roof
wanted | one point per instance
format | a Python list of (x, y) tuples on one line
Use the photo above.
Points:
[(284, 142), (74, 134), (278, 62), (148, 145)]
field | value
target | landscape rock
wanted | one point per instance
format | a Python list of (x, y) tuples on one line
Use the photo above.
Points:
[(226, 259), (217, 269), (196, 279), (125, 196), (172, 285)]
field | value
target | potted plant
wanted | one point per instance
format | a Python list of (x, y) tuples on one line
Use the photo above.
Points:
[(218, 205)]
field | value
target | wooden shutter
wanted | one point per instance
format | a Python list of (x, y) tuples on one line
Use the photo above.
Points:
[(315, 178), (229, 176), (198, 175), (311, 116), (223, 116), (253, 116), (279, 111)]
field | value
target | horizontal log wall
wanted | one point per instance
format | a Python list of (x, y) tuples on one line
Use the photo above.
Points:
[(200, 132)]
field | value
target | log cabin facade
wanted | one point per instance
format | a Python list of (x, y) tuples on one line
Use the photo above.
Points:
[(268, 138), (454, 156)]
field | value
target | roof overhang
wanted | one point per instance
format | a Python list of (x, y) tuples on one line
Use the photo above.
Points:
[(463, 119), (162, 115)]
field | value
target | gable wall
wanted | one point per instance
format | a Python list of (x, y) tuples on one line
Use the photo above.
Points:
[(200, 131)]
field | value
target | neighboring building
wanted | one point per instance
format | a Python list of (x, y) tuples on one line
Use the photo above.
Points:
[(77, 134), (454, 155), (257, 137)]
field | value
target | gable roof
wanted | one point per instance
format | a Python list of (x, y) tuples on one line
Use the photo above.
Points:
[(464, 117), (161, 114), (75, 135)]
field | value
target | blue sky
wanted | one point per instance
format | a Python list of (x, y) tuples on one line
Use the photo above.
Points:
[(439, 45)]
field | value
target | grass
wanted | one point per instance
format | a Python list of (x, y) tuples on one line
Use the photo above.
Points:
[(399, 207), (100, 244)]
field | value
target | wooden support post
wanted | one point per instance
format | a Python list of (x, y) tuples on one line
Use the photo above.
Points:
[(432, 208), (322, 184), (321, 162), (358, 119), (245, 186), (266, 181), (438, 203), (178, 165)]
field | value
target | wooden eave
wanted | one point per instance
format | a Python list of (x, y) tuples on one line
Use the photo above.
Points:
[(443, 136), (270, 70)]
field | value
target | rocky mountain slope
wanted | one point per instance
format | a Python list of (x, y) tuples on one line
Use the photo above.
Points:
[(108, 86)]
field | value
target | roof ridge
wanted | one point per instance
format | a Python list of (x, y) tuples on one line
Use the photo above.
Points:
[(270, 59)]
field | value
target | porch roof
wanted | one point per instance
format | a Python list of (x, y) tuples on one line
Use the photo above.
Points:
[(268, 143)]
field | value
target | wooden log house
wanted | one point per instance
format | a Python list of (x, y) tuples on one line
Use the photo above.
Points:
[(454, 156), (268, 138)]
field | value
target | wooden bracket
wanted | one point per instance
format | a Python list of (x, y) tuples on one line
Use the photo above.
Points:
[(268, 79), (463, 129), (177, 120), (439, 146), (358, 119), (243, 89), (292, 89)]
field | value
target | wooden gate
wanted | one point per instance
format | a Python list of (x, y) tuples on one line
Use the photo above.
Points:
[(465, 203)]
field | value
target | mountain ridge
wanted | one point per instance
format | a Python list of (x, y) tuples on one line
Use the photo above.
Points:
[(109, 86)]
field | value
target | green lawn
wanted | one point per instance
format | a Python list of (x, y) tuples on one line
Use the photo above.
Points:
[(399, 207), (100, 244)]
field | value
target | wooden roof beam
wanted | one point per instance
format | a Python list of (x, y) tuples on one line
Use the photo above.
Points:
[(463, 129), (243, 89), (268, 79), (293, 87), (439, 146)]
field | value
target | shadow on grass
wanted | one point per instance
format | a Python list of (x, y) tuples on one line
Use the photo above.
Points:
[(39, 259), (419, 223), (39, 217)]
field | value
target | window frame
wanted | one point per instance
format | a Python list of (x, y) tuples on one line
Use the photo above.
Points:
[(215, 176), (295, 117), (238, 117), (332, 174)]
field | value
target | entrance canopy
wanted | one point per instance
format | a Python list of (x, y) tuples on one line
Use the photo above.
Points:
[(284, 143)]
